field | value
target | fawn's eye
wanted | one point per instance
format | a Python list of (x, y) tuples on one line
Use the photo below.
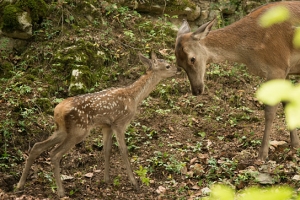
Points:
[(193, 60), (168, 66)]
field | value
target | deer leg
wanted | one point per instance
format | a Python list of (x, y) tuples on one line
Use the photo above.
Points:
[(37, 149), (107, 142), (270, 112), (295, 142), (56, 156), (123, 149)]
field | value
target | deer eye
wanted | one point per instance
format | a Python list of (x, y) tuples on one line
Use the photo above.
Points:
[(168, 66), (193, 60)]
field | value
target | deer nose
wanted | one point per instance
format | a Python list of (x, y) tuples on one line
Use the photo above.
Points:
[(197, 90), (178, 71)]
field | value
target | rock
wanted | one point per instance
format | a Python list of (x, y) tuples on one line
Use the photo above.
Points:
[(250, 5), (9, 44), (206, 191), (264, 178), (24, 30), (188, 9), (77, 85)]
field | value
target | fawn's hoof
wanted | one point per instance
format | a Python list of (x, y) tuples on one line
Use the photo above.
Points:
[(19, 187), (60, 193), (137, 187)]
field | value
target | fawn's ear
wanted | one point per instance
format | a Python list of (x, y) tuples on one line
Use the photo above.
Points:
[(145, 61), (153, 57)]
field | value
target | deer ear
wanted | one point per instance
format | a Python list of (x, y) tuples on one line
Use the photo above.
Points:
[(145, 60), (185, 28), (203, 30), (153, 55)]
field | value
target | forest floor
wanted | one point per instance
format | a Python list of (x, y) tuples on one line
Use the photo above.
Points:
[(179, 144), (182, 147)]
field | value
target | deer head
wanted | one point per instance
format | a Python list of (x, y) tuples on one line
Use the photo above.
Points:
[(191, 55), (160, 67)]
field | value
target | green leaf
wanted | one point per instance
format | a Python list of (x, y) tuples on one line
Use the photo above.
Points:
[(274, 193), (296, 39), (274, 15), (274, 91), (292, 113), (222, 192)]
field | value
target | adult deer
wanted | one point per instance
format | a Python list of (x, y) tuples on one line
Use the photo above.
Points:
[(267, 52), (111, 109)]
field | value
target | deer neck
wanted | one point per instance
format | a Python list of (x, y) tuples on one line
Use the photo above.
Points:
[(223, 45), (140, 89)]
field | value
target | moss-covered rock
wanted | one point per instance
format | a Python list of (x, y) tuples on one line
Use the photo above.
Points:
[(79, 64), (82, 79), (10, 18), (38, 8), (187, 8), (17, 18)]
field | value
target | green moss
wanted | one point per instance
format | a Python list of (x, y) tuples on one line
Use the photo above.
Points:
[(45, 105), (173, 5), (30, 77), (10, 21), (38, 8), (5, 69)]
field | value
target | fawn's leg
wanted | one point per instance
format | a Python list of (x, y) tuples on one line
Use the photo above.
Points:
[(37, 149), (107, 142), (120, 135), (57, 154), (270, 112)]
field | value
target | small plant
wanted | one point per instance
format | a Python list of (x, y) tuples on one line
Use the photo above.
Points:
[(116, 181), (142, 173), (174, 165)]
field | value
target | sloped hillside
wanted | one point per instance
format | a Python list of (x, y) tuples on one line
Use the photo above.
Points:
[(179, 144)]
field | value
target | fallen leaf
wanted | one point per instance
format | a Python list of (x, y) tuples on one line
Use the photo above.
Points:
[(161, 190), (202, 156), (198, 169), (296, 177), (195, 120), (89, 175), (171, 128), (190, 173), (66, 177), (208, 144), (183, 170), (164, 52), (195, 187), (277, 143), (193, 160)]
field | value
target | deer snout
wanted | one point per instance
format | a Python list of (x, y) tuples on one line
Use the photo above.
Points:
[(198, 90)]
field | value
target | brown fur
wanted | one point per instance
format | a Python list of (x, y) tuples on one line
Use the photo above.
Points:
[(112, 110), (267, 52)]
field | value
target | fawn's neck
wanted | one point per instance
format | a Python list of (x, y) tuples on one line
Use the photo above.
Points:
[(141, 88)]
